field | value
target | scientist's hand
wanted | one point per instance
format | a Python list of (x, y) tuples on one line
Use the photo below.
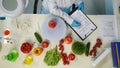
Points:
[(75, 23), (81, 6)]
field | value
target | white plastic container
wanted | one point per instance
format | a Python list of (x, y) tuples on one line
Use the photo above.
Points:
[(22, 4)]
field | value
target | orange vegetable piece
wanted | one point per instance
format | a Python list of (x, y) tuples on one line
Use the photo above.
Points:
[(37, 51)]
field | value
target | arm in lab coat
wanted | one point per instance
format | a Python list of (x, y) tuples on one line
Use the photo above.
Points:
[(53, 8)]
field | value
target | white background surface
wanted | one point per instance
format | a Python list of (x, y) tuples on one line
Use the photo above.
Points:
[(81, 61)]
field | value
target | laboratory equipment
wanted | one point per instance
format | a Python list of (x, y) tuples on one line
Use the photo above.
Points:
[(22, 4), (101, 57), (54, 34)]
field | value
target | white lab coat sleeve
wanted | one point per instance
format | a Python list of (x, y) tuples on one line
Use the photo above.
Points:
[(53, 8)]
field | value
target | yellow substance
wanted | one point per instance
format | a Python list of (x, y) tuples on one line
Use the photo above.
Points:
[(28, 60)]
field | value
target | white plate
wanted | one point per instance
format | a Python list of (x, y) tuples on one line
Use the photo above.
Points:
[(56, 33)]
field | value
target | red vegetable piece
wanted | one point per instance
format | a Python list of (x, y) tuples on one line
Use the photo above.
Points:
[(91, 52), (100, 43), (98, 46), (68, 39), (67, 62), (98, 40), (95, 52), (95, 46), (45, 44), (61, 47), (66, 58), (71, 56), (6, 32), (64, 55), (61, 41)]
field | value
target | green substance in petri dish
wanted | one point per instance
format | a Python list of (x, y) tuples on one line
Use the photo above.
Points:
[(12, 56)]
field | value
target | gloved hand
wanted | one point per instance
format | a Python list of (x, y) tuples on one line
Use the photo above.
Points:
[(75, 23), (81, 6), (2, 18)]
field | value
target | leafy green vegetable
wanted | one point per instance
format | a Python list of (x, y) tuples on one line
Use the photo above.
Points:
[(38, 37), (78, 47), (87, 49), (52, 57)]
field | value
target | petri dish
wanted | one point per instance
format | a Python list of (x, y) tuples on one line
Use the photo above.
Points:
[(55, 34)]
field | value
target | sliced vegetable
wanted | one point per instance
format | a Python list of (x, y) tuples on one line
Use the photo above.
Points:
[(78, 47), (71, 56), (61, 41), (87, 49), (28, 60), (52, 57), (38, 37), (98, 44), (45, 44), (66, 62), (98, 40), (61, 47), (37, 51), (68, 39)]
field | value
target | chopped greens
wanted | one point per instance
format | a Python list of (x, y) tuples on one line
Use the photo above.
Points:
[(52, 57)]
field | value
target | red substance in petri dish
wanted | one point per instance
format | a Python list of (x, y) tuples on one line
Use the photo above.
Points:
[(7, 32)]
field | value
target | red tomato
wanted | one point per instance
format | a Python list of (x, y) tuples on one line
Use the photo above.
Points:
[(45, 44), (98, 40), (68, 39), (61, 41), (61, 47), (71, 56), (52, 24), (66, 62), (26, 47)]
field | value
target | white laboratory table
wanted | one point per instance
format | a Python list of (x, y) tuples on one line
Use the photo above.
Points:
[(21, 35)]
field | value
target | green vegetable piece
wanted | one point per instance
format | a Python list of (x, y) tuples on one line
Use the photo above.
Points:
[(87, 49), (38, 37), (52, 57), (78, 48)]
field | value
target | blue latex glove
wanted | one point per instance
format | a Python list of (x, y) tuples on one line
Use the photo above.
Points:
[(2, 18), (75, 23), (81, 6)]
